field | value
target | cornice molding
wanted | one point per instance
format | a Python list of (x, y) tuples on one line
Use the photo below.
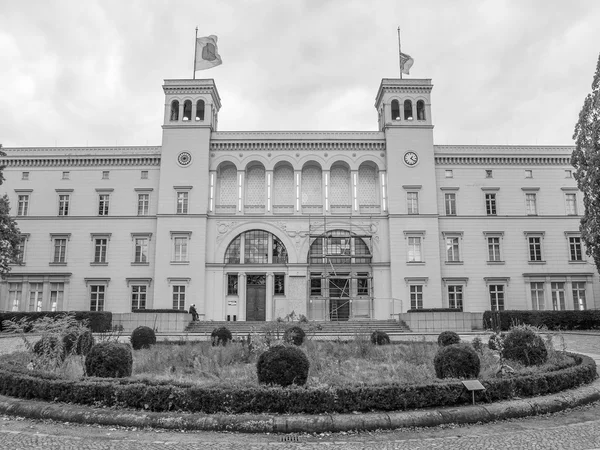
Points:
[(298, 135), (83, 151), (528, 150), (503, 160)]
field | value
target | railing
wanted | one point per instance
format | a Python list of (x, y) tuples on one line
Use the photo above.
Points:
[(225, 209), (360, 307)]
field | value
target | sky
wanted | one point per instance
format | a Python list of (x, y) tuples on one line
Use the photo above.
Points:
[(90, 73)]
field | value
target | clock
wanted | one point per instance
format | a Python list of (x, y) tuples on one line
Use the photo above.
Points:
[(184, 159), (411, 159)]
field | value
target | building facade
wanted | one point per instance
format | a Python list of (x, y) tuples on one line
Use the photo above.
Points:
[(332, 225)]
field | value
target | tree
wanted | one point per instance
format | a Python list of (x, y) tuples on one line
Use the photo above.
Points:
[(586, 160), (10, 236)]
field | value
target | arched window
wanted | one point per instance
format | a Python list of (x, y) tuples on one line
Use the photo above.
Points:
[(339, 247), (420, 110), (256, 247), (408, 113), (175, 110), (395, 110), (187, 110), (200, 110)]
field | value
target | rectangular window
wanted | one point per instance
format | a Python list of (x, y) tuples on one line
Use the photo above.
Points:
[(579, 300), (15, 291), (490, 204), (455, 296), (97, 297), (416, 296), (141, 250), (450, 202), (143, 204), (36, 294), (494, 249), (138, 297), (315, 284), (412, 199), (66, 175), (452, 249), (20, 259), (105, 174), (531, 204), (571, 203), (535, 248), (103, 203), (256, 247), (57, 294), (60, 250), (144, 175), (575, 248), (182, 202), (179, 297), (232, 284), (181, 249), (558, 296), (362, 284), (528, 173), (23, 205), (279, 284), (100, 247), (414, 249), (449, 173), (537, 296), (24, 175), (63, 204), (497, 297)]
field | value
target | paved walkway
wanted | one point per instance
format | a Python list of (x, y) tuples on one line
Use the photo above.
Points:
[(577, 428)]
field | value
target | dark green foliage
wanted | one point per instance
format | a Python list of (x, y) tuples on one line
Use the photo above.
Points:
[(174, 311), (10, 235), (586, 160), (142, 337), (424, 310), (98, 321), (78, 343), (220, 336), (553, 320), (380, 338), (49, 347), (165, 396), (294, 335), (448, 338), (477, 344), (493, 338), (525, 346), (109, 360), (283, 365), (457, 361)]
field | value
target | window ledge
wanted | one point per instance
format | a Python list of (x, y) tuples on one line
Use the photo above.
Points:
[(57, 263), (140, 263), (536, 262), (496, 263), (98, 264), (455, 263), (279, 295), (415, 263), (577, 262), (180, 263)]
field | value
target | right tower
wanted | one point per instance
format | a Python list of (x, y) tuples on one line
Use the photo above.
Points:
[(404, 108)]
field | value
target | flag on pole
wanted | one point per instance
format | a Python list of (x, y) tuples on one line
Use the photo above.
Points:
[(207, 53), (406, 63)]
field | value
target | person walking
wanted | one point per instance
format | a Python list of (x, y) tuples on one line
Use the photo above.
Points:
[(193, 312)]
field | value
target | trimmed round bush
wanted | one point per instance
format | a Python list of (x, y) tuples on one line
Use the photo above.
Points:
[(283, 365), (294, 335), (109, 360), (143, 337), (220, 336), (78, 343), (524, 345), (448, 338), (380, 338), (456, 361)]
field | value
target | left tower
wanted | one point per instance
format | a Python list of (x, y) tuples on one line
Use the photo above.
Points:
[(191, 114)]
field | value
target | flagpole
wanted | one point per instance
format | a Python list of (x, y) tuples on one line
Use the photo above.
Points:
[(195, 44), (399, 53)]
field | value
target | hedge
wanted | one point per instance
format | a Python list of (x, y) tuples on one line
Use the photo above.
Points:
[(178, 311), (429, 310), (99, 321), (165, 396), (553, 320)]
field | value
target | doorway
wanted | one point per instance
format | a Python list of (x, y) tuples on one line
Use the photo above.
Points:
[(339, 299), (256, 298)]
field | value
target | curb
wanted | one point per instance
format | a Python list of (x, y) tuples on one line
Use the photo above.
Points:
[(271, 423)]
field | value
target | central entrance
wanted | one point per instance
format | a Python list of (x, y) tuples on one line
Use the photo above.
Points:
[(339, 299), (256, 297)]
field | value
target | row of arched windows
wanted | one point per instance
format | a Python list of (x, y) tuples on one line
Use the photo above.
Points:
[(408, 110), (187, 110)]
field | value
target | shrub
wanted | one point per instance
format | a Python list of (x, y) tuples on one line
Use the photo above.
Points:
[(49, 346), (283, 365), (294, 335), (220, 336), (525, 345), (477, 344), (493, 340), (448, 338), (78, 343), (380, 338), (109, 360), (98, 321), (553, 320), (457, 361), (142, 337)]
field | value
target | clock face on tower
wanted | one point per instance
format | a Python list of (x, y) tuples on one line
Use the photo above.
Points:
[(411, 158)]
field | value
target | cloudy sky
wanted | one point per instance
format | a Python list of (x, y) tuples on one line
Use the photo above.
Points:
[(79, 73)]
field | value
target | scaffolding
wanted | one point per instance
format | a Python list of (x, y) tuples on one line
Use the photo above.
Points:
[(340, 285)]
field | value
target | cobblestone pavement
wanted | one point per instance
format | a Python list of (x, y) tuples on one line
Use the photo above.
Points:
[(577, 428)]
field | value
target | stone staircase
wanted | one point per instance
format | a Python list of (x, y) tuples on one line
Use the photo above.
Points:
[(315, 330)]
